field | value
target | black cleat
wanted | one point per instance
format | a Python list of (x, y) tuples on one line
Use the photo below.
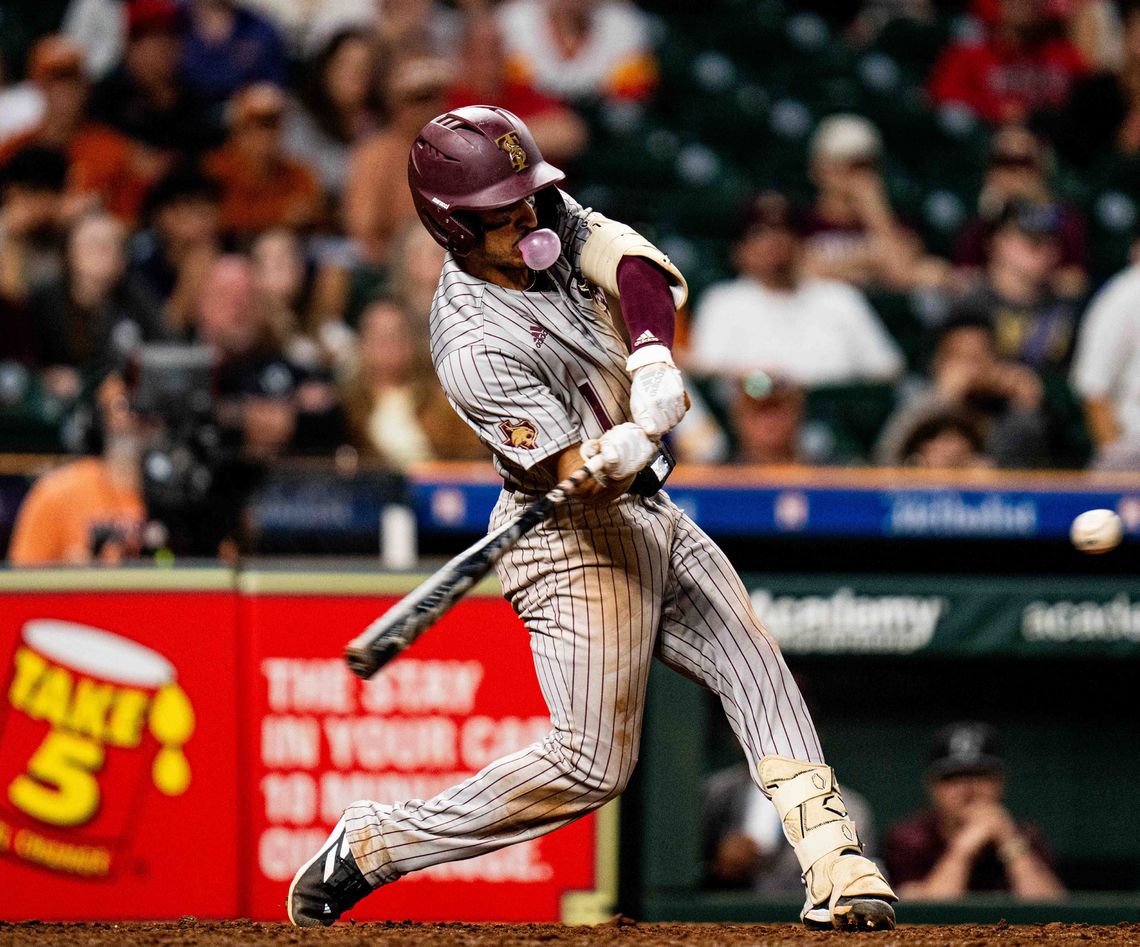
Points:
[(854, 913), (327, 885)]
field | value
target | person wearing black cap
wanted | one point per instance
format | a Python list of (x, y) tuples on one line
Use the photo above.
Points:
[(968, 841), (1032, 324)]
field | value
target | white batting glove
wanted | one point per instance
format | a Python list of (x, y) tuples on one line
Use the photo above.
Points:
[(657, 397), (625, 450)]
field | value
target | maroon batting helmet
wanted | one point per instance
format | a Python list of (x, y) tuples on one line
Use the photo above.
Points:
[(475, 158)]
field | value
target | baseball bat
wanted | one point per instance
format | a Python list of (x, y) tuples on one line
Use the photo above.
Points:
[(396, 630)]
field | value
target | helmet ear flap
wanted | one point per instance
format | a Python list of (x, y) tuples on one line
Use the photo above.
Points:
[(463, 233)]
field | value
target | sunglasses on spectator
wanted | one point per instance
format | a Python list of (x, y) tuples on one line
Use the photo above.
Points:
[(265, 121), (1013, 161)]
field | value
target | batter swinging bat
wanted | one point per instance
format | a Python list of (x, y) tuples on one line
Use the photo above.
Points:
[(404, 622)]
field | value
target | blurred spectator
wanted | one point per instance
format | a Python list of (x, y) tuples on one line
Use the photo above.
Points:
[(767, 413), (24, 23), (267, 402), (91, 509), (946, 439), (170, 257), (100, 27), (482, 77), (21, 103), (396, 409), (90, 319), (974, 399), (377, 202), (338, 105), (967, 840), (853, 234), (1106, 370), (308, 26), (228, 48), (744, 843), (772, 317), (31, 214), (280, 278), (144, 97), (1103, 114), (1018, 169), (416, 27), (104, 165), (417, 261), (874, 15), (1032, 322), (261, 186), (1093, 26), (579, 49), (1018, 68)]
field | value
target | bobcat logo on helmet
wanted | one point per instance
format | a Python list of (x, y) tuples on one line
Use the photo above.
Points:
[(521, 433), (511, 145)]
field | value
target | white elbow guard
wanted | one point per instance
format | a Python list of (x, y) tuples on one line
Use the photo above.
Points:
[(608, 242)]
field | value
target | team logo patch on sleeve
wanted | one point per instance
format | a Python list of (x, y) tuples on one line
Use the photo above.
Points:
[(521, 433)]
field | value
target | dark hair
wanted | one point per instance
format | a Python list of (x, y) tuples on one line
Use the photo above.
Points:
[(37, 169), (948, 420), (966, 318), (186, 183), (314, 94)]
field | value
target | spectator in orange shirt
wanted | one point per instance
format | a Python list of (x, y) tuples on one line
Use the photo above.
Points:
[(106, 167), (377, 202), (92, 509), (261, 187), (1018, 69)]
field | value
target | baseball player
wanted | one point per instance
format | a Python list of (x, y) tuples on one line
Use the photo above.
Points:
[(550, 367)]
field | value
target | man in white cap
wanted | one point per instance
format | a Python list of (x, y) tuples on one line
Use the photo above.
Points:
[(853, 234)]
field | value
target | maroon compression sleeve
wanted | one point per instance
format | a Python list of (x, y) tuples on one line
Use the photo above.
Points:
[(646, 303)]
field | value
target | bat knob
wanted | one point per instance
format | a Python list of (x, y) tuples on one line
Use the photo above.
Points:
[(366, 661)]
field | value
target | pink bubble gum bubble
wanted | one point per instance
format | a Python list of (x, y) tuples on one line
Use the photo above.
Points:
[(540, 249)]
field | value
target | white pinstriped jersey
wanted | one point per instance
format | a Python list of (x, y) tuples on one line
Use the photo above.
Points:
[(531, 372), (602, 588)]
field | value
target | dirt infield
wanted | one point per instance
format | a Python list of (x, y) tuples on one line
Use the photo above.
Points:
[(190, 933)]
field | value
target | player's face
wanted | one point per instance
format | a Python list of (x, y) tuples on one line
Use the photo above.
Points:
[(502, 231)]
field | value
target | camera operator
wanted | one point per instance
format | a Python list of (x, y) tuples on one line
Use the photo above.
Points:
[(91, 509)]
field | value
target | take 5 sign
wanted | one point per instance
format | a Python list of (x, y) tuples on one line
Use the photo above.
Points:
[(117, 753), (182, 750)]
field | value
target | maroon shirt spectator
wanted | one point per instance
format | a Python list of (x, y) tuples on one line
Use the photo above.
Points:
[(968, 841), (916, 845), (1018, 170), (1017, 69)]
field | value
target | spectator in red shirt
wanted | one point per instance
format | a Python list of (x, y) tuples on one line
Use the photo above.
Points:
[(968, 840), (1016, 70), (483, 78)]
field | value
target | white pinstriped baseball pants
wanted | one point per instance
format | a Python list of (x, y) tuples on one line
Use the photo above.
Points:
[(602, 589)]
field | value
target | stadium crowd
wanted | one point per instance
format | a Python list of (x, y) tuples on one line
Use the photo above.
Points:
[(232, 173)]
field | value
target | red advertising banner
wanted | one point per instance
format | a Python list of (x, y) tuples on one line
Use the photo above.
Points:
[(170, 745), (465, 695), (118, 751)]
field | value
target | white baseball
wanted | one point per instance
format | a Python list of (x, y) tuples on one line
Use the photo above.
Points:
[(1096, 531)]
